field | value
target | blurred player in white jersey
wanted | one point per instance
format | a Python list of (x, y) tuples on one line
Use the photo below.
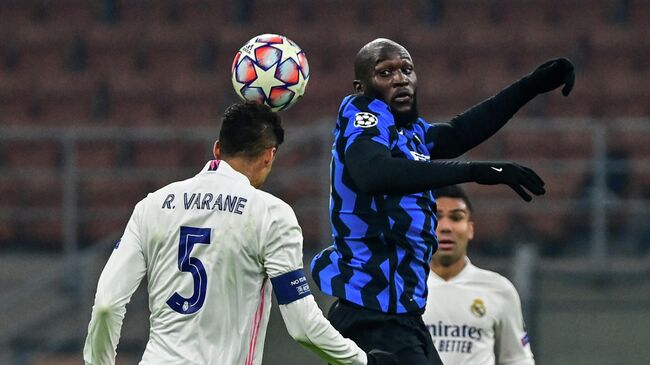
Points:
[(473, 315), (212, 248)]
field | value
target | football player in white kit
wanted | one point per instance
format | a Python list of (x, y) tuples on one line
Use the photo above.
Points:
[(212, 248), (473, 315)]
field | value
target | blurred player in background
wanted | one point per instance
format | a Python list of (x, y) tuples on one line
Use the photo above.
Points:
[(473, 315), (212, 247), (381, 207)]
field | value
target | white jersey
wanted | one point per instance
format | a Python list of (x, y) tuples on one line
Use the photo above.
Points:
[(208, 246), (475, 318)]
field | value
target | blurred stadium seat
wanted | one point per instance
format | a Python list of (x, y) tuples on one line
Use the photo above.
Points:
[(89, 66), (152, 63)]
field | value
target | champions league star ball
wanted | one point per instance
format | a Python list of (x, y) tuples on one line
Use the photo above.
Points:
[(270, 69)]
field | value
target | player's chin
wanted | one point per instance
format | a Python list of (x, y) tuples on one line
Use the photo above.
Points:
[(402, 108)]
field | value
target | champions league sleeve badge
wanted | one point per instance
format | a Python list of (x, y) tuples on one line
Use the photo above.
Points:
[(365, 120)]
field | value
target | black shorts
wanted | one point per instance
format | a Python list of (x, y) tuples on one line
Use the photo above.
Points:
[(404, 335)]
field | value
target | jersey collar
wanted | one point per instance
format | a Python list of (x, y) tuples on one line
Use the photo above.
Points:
[(223, 167)]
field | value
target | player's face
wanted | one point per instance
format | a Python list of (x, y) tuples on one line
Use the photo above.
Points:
[(394, 81), (454, 230)]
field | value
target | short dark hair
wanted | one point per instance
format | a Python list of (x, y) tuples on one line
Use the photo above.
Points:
[(249, 128), (455, 192)]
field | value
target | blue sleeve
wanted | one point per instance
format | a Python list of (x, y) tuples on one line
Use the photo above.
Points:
[(364, 118), (290, 286)]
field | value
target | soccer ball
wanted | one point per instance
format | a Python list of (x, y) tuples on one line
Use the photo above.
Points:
[(270, 69)]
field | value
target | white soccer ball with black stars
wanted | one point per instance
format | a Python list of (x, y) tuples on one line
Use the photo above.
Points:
[(270, 69)]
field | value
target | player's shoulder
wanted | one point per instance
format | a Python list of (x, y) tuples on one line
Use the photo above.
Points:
[(491, 278), (362, 105), (494, 280), (274, 210), (272, 202)]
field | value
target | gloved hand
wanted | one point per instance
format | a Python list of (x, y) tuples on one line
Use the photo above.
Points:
[(508, 173), (379, 357), (551, 75)]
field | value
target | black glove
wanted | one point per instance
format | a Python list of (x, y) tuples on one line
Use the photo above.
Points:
[(508, 173), (379, 357), (551, 75)]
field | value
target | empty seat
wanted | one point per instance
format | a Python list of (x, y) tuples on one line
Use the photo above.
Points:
[(491, 227), (44, 233), (634, 142), (98, 154), (158, 154), (100, 227), (7, 232), (15, 87), (547, 144), (135, 99), (30, 154), (41, 192), (9, 192), (66, 99), (99, 193)]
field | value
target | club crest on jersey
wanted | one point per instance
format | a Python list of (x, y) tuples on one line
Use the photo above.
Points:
[(478, 308), (365, 120)]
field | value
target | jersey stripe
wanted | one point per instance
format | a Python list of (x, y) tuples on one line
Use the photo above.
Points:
[(256, 329), (382, 243)]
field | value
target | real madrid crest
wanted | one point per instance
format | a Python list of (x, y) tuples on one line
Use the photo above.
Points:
[(365, 120), (478, 308)]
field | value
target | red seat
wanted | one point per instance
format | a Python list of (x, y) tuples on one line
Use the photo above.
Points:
[(98, 154), (9, 192), (45, 232), (30, 154), (98, 193), (7, 232), (93, 230), (158, 154)]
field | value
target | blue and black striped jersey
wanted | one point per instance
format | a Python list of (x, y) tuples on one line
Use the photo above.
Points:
[(382, 243)]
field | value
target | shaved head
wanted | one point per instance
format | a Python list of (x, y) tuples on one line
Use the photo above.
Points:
[(374, 52), (383, 69)]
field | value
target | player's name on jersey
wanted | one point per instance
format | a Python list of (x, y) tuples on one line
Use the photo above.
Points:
[(208, 201)]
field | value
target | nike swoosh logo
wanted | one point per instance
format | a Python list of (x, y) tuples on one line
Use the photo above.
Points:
[(497, 169)]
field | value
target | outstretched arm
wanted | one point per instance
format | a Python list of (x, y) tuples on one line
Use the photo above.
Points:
[(481, 121), (375, 171)]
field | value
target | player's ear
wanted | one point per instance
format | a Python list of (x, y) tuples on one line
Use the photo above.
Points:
[(358, 86), (470, 230), (269, 155), (216, 150)]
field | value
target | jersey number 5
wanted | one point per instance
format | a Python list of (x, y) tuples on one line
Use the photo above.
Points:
[(189, 237)]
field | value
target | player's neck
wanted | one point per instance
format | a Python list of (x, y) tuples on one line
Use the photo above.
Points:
[(246, 167), (447, 272)]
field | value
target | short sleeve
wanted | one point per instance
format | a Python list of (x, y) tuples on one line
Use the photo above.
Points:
[(364, 118), (512, 342), (282, 247)]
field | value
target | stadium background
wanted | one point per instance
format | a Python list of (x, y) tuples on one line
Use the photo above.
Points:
[(102, 101)]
